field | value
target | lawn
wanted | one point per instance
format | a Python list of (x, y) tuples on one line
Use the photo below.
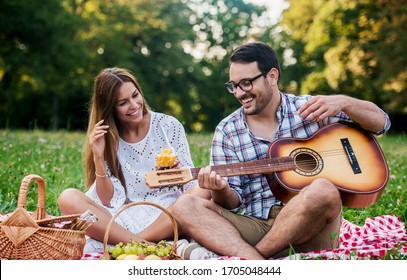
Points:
[(56, 156)]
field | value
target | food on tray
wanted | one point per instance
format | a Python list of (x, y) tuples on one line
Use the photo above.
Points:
[(166, 159)]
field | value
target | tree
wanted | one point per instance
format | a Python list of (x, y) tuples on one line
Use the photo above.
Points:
[(38, 55), (177, 49), (354, 47), (220, 26)]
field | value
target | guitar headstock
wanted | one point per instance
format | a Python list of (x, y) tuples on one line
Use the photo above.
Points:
[(168, 178)]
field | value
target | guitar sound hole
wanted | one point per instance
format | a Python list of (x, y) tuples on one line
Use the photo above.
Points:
[(306, 162)]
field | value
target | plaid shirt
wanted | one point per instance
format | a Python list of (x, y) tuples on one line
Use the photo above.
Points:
[(233, 142)]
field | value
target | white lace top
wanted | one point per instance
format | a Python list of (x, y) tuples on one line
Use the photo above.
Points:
[(138, 158)]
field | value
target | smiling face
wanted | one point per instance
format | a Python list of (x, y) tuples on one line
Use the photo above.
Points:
[(259, 97), (129, 105)]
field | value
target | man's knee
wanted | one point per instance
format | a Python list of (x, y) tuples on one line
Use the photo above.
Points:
[(322, 192), (324, 187), (185, 204)]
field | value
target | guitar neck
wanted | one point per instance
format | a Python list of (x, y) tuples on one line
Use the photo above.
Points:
[(263, 166), (173, 177)]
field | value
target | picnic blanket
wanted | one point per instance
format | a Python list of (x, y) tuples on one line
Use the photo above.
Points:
[(372, 240)]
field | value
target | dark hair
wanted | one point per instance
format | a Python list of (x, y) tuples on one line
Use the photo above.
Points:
[(106, 88), (262, 53)]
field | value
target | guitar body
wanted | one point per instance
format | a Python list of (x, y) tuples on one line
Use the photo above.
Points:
[(346, 155)]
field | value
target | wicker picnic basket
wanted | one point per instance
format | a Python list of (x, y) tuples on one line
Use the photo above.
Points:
[(174, 224), (33, 235)]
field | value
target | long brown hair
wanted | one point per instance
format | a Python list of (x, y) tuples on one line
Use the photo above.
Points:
[(105, 91)]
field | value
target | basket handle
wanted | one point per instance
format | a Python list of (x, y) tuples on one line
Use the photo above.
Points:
[(174, 223), (39, 213)]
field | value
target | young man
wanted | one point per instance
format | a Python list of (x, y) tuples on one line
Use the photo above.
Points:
[(265, 227)]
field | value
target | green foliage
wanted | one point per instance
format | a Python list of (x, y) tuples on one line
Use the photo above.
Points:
[(179, 52), (38, 52), (353, 47), (49, 56)]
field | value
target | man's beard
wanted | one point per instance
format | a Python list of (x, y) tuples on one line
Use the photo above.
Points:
[(257, 106)]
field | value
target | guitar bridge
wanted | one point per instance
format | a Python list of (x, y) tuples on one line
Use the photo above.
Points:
[(351, 156)]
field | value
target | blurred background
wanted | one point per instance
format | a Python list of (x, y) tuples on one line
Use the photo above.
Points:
[(50, 52)]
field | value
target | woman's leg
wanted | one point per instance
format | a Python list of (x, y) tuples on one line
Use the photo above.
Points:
[(73, 201)]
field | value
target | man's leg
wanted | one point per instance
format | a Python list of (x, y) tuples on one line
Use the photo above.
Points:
[(201, 219), (302, 218)]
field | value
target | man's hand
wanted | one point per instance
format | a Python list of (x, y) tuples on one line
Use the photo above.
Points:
[(210, 180), (321, 107)]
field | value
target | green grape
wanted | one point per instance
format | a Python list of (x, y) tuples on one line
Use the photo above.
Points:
[(139, 250), (161, 249), (160, 252), (151, 249), (127, 249), (116, 252), (133, 249), (167, 250)]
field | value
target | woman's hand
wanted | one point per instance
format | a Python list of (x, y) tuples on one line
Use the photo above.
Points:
[(97, 139), (176, 164)]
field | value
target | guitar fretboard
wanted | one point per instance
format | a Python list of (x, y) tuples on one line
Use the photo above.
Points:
[(264, 166)]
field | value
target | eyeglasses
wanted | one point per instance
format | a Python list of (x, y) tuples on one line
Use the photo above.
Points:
[(245, 84)]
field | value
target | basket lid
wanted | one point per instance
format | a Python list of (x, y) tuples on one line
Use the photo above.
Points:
[(19, 226)]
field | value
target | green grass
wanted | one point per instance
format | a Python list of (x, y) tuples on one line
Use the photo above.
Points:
[(394, 197), (56, 156)]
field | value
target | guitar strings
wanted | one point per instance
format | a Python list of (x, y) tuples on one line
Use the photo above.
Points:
[(259, 165), (322, 154)]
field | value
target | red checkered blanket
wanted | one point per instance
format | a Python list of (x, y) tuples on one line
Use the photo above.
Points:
[(372, 240)]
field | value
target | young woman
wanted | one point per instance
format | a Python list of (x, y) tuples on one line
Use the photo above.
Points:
[(123, 139)]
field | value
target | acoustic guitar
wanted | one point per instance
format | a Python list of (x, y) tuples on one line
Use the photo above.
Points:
[(345, 154)]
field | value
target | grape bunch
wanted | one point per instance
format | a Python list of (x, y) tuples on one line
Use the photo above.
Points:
[(142, 250)]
